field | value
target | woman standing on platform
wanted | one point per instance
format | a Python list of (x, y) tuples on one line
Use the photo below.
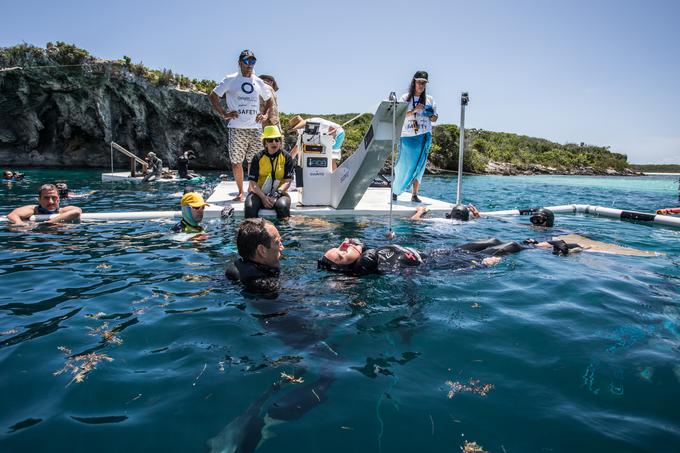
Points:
[(416, 137)]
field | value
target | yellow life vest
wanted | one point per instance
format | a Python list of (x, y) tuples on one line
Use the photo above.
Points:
[(272, 167)]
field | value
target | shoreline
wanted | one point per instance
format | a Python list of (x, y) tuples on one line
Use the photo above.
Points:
[(437, 172)]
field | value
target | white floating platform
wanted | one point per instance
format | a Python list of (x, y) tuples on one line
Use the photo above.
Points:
[(375, 202), (124, 176)]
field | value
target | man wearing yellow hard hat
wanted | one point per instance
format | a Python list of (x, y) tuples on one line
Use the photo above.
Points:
[(192, 205), (271, 172)]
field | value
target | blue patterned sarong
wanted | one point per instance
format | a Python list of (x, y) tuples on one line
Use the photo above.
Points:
[(413, 152)]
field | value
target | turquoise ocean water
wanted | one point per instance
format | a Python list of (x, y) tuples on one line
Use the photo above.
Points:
[(538, 354)]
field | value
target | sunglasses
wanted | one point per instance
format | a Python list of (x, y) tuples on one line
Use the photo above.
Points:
[(272, 140), (249, 61)]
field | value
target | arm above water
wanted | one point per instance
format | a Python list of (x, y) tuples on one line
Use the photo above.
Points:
[(20, 215), (67, 214)]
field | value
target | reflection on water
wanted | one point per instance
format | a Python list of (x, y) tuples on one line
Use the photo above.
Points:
[(118, 336)]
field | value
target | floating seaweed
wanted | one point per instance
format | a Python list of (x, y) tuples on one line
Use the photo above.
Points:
[(293, 379), (107, 335), (473, 386), (81, 365), (472, 447)]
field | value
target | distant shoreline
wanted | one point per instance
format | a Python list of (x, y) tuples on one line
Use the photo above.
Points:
[(439, 172)]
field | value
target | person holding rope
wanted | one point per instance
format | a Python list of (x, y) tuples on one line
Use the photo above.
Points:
[(416, 137)]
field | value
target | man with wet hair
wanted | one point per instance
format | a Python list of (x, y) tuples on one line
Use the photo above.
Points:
[(259, 247), (48, 204)]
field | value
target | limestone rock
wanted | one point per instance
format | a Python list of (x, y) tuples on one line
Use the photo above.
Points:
[(68, 116)]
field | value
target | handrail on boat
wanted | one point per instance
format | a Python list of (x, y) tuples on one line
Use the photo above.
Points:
[(133, 159)]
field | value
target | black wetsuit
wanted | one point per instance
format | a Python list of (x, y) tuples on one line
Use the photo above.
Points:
[(255, 277), (183, 167), (390, 258)]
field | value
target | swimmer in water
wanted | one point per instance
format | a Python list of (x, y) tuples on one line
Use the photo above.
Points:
[(64, 191), (353, 257), (9, 175), (193, 207), (421, 212), (259, 247), (48, 204)]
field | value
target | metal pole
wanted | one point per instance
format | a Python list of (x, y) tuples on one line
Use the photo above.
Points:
[(393, 98), (464, 99), (111, 157)]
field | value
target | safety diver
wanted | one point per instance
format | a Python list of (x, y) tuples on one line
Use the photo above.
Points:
[(193, 207)]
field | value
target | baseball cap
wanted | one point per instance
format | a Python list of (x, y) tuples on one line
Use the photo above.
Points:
[(246, 54), (193, 199), (420, 75)]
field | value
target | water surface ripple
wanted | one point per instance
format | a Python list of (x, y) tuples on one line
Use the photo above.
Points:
[(117, 335)]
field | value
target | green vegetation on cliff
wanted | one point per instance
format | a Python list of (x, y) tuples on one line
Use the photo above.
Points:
[(521, 151), (482, 147), (67, 56)]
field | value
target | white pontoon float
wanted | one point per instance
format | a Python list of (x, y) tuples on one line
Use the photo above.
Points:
[(346, 192), (643, 217), (404, 208), (134, 175)]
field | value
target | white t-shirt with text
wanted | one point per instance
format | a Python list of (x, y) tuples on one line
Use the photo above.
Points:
[(243, 95), (416, 123)]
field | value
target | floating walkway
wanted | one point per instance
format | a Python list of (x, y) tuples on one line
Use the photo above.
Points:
[(375, 202)]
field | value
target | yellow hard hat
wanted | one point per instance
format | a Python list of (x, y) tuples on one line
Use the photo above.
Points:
[(193, 199), (271, 132)]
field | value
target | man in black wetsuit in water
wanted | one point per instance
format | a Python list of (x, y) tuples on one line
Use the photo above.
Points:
[(259, 246)]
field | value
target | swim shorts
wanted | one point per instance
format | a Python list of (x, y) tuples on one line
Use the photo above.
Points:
[(243, 144)]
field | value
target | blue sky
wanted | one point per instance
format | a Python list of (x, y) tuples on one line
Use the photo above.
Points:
[(601, 72)]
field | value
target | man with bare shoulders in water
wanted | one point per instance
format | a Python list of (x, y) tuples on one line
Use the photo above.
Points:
[(48, 204)]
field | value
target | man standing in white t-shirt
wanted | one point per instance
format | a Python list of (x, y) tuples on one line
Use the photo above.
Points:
[(243, 90)]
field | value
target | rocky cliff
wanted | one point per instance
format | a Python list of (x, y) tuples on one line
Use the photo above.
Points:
[(66, 115)]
